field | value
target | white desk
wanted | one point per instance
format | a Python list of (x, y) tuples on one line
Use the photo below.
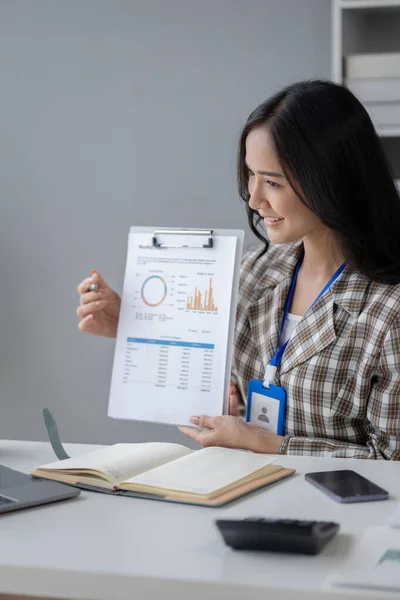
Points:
[(113, 548)]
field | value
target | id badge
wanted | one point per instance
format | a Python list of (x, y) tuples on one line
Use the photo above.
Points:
[(266, 406)]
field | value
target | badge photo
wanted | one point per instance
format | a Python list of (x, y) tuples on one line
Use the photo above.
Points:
[(266, 406)]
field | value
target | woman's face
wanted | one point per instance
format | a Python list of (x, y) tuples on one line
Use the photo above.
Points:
[(286, 218)]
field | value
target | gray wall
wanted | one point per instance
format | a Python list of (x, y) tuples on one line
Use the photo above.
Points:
[(114, 113)]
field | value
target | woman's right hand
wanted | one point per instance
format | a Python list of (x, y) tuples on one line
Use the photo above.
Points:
[(98, 311)]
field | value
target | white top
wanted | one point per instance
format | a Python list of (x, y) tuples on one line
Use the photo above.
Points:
[(288, 330), (289, 327), (108, 548)]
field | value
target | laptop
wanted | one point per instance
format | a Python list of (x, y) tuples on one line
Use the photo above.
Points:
[(18, 490)]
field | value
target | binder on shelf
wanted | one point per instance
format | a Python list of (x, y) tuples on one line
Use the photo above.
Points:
[(373, 65), (375, 89), (175, 335), (384, 114)]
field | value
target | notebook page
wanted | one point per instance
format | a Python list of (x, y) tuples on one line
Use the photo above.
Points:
[(122, 460), (204, 471)]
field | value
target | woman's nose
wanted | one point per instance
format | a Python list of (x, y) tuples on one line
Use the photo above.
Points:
[(257, 198)]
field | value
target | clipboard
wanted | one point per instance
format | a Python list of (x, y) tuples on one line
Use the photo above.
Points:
[(144, 370)]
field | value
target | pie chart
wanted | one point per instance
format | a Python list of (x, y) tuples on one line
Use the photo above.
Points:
[(154, 290)]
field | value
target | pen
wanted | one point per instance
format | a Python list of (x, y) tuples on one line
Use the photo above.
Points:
[(93, 287)]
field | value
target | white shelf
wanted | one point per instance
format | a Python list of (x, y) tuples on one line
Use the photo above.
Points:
[(366, 27), (370, 27)]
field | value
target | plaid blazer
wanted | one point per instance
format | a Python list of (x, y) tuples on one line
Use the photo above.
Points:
[(341, 368)]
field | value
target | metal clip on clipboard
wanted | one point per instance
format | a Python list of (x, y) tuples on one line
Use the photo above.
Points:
[(199, 232)]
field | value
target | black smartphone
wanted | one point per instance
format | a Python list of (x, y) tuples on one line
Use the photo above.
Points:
[(346, 486)]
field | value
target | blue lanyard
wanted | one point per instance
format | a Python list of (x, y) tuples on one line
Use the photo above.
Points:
[(276, 359)]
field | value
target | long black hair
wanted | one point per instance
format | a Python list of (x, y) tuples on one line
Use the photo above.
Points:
[(335, 162)]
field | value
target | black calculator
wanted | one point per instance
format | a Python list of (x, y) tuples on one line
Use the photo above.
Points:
[(277, 535)]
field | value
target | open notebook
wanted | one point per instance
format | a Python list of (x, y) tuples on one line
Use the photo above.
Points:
[(211, 476), (163, 471)]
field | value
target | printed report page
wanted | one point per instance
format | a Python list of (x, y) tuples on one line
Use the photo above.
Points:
[(172, 341)]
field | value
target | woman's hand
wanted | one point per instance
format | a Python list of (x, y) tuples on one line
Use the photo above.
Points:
[(232, 432), (98, 311)]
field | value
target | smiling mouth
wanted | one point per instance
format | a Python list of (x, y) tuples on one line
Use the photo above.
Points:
[(272, 221)]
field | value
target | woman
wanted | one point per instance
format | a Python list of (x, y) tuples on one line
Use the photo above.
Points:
[(315, 179)]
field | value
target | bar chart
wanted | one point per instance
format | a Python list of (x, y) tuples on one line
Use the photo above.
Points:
[(202, 301)]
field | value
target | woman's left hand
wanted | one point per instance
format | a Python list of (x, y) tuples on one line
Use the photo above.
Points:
[(232, 432)]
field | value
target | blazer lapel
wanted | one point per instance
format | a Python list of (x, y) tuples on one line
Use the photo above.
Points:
[(265, 314), (265, 318), (314, 332), (317, 330)]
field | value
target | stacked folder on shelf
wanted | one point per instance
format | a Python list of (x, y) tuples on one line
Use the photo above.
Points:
[(375, 80)]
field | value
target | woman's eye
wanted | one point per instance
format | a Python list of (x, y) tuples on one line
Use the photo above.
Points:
[(272, 184)]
